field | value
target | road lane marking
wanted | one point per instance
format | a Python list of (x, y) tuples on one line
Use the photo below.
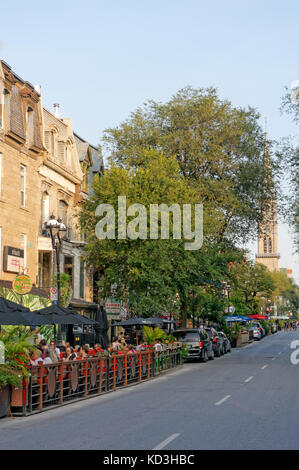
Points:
[(273, 358), (279, 353), (222, 400), (264, 367), (248, 379), (166, 442)]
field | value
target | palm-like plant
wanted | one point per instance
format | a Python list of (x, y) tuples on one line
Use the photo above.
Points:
[(148, 334), (17, 346)]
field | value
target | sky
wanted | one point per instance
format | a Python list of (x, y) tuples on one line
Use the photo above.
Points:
[(100, 60)]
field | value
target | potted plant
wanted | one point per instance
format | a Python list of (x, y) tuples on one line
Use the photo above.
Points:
[(13, 371)]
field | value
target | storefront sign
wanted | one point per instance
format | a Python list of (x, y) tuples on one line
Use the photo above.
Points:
[(13, 259), (22, 284), (112, 306)]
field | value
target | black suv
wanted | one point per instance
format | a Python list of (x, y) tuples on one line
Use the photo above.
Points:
[(216, 340), (197, 341)]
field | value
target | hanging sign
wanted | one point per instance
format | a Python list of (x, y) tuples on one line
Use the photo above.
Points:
[(13, 259), (22, 284)]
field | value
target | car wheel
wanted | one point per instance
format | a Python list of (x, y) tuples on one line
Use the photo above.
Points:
[(218, 353), (222, 351), (212, 356)]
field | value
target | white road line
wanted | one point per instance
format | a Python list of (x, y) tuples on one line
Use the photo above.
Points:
[(264, 367), (273, 358), (166, 442), (222, 400), (249, 378), (279, 353)]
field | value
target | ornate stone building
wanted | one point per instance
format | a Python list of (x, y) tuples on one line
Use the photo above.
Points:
[(44, 169), (21, 152)]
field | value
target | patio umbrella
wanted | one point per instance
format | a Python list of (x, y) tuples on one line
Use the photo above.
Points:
[(13, 314), (101, 329), (235, 318), (57, 315), (259, 317), (139, 321)]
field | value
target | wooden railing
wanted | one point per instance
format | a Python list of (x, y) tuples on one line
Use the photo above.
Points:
[(55, 384)]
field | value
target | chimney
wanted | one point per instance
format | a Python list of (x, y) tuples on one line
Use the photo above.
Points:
[(56, 110)]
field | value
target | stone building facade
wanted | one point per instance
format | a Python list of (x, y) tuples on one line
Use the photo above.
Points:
[(21, 152), (44, 169)]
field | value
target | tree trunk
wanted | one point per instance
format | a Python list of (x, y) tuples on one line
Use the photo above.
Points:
[(184, 313)]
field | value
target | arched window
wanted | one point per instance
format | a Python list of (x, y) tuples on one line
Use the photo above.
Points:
[(62, 211), (45, 207), (265, 245), (270, 245)]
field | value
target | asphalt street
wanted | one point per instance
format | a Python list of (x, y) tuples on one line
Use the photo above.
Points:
[(247, 399)]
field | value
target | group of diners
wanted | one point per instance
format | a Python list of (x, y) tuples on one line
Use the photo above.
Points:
[(51, 353)]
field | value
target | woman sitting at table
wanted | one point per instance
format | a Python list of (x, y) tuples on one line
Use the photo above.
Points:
[(69, 354)]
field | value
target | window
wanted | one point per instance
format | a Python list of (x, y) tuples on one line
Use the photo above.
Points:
[(1, 110), (265, 245), (0, 249), (6, 109), (23, 185), (62, 212), (0, 174), (24, 247), (29, 125), (81, 293), (85, 182), (270, 245), (45, 207)]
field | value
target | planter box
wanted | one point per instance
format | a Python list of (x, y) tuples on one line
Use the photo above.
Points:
[(4, 401), (17, 396), (244, 337)]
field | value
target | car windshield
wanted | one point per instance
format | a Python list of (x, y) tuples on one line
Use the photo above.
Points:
[(187, 336)]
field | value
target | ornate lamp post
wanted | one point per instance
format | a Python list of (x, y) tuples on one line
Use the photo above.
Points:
[(56, 228)]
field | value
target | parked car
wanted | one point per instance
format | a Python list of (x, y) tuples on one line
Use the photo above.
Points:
[(260, 328), (226, 342), (216, 340), (197, 341), (257, 334)]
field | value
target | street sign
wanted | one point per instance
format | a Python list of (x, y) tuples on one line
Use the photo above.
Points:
[(230, 309), (53, 294), (112, 306)]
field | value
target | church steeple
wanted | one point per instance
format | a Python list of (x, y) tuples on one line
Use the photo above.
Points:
[(267, 230)]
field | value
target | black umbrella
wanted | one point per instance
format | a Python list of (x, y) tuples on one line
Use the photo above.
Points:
[(12, 313), (101, 329), (57, 315), (139, 321)]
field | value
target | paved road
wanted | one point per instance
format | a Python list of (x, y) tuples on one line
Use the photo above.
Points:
[(248, 399)]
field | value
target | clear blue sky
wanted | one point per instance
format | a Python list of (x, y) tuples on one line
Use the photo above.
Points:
[(100, 59)]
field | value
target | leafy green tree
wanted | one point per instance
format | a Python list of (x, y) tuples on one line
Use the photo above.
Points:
[(152, 276), (250, 283), (219, 149), (290, 105)]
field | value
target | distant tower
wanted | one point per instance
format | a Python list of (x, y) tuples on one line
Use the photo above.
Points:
[(267, 231)]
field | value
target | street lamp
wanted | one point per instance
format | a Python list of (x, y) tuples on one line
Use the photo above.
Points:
[(56, 228)]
